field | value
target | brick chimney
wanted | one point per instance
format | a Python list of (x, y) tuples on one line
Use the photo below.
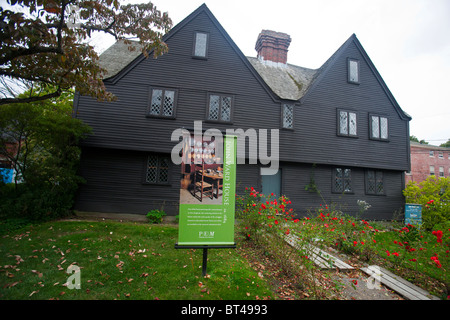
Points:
[(272, 47)]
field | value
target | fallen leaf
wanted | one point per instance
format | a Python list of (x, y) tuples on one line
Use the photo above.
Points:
[(37, 272), (10, 285), (33, 293)]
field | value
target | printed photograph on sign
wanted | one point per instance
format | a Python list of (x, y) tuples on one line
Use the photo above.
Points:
[(202, 170)]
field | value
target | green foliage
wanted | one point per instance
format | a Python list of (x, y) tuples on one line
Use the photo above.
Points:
[(155, 216), (445, 144), (434, 196), (43, 42), (45, 157)]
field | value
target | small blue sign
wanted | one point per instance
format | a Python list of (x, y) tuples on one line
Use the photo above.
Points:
[(413, 213)]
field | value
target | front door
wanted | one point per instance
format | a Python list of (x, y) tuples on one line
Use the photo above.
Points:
[(271, 183)]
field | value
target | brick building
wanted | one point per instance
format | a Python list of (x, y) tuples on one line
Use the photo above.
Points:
[(428, 160)]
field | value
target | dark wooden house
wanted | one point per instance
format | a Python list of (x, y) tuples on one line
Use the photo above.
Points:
[(342, 135)]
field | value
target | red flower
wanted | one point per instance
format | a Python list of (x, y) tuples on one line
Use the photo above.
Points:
[(436, 260), (438, 235), (263, 206), (388, 254)]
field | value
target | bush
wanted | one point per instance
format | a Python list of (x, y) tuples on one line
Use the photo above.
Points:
[(35, 203), (434, 196), (155, 216), (45, 158)]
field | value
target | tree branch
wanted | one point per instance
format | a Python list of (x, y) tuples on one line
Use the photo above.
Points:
[(28, 51), (55, 94)]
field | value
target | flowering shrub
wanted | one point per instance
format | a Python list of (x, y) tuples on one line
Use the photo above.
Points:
[(416, 249), (267, 220), (434, 196)]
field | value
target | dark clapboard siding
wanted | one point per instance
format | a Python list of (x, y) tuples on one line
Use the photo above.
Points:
[(115, 183), (297, 176), (113, 157)]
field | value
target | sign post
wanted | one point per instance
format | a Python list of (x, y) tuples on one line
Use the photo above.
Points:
[(207, 194)]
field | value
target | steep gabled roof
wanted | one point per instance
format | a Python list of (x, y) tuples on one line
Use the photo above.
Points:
[(288, 83), (323, 70), (111, 60), (117, 57)]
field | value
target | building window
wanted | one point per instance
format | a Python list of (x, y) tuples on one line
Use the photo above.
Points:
[(162, 103), (342, 180), (353, 71), (374, 182), (288, 116), (431, 170), (431, 153), (219, 108), (201, 40), (379, 129), (347, 123), (441, 171), (157, 169), (441, 155)]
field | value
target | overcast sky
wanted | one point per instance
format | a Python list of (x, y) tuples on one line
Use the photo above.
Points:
[(407, 40)]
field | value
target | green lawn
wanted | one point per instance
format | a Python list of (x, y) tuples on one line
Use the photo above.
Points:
[(118, 261)]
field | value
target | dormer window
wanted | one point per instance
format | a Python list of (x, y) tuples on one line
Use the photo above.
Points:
[(201, 40), (353, 71)]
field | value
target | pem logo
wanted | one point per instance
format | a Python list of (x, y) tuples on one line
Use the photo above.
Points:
[(206, 234)]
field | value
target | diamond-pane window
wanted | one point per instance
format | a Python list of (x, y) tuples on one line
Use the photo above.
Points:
[(343, 122), (380, 183), (214, 107), (375, 127), (379, 128), (347, 123), (157, 169), (226, 108), (288, 116), (152, 169), (220, 108), (352, 124), (374, 182), (169, 100), (371, 185), (162, 103), (383, 128), (155, 107), (342, 180)]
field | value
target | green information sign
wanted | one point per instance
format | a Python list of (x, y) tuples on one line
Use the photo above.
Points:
[(207, 193)]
